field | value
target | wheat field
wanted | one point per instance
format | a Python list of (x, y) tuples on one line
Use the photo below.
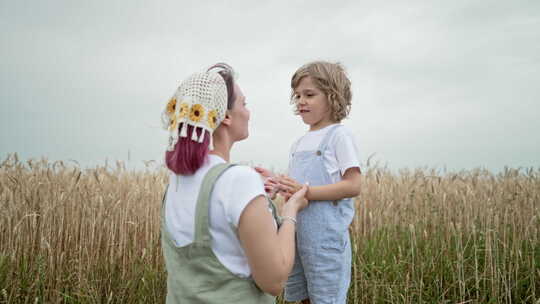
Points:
[(72, 235)]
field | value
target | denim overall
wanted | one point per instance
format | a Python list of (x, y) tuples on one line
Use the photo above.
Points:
[(194, 274), (322, 267)]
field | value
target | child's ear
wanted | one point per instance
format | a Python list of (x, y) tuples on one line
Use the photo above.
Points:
[(227, 120)]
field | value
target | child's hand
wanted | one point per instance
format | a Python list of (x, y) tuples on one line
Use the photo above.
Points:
[(289, 185)]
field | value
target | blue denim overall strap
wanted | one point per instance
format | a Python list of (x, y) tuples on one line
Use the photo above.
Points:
[(321, 271), (194, 273), (315, 158)]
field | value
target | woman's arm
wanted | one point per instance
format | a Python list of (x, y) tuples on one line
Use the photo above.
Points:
[(349, 186), (270, 252)]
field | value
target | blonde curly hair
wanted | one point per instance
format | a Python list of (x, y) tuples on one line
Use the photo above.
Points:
[(332, 80)]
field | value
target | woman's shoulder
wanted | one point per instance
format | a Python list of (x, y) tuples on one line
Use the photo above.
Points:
[(241, 170), (234, 171), (242, 176), (238, 186)]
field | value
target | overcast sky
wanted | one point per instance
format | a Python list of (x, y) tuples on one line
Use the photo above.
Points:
[(436, 84)]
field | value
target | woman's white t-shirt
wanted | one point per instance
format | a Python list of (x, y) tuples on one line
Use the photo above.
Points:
[(340, 154), (232, 192)]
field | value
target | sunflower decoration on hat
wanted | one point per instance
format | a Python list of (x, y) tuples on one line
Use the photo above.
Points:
[(200, 102)]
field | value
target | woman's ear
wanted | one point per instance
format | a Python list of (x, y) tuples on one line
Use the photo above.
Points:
[(227, 120)]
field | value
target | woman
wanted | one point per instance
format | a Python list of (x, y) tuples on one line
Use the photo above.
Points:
[(220, 234)]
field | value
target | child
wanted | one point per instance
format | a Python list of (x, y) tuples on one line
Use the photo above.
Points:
[(326, 158)]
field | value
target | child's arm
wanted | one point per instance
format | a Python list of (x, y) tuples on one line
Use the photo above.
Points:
[(349, 186)]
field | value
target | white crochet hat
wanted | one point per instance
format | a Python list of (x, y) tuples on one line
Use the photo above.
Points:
[(201, 102)]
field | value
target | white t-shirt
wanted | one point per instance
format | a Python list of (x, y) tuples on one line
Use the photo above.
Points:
[(340, 154), (232, 192)]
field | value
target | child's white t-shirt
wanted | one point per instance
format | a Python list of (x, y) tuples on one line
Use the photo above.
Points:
[(340, 154), (232, 192)]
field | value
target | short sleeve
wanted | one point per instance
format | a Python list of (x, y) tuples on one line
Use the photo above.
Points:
[(241, 185), (346, 150)]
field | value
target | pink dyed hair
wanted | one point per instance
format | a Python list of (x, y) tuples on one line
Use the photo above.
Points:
[(188, 156)]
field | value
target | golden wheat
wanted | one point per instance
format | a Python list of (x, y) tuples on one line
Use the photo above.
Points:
[(69, 235)]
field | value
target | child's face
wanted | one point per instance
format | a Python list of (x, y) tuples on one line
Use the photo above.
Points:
[(312, 104)]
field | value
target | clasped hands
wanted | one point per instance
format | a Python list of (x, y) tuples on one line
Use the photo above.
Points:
[(278, 183)]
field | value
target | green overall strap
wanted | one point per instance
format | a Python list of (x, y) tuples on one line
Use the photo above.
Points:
[(275, 215), (202, 228)]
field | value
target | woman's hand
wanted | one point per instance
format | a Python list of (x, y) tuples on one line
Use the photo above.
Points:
[(296, 202), (265, 173)]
